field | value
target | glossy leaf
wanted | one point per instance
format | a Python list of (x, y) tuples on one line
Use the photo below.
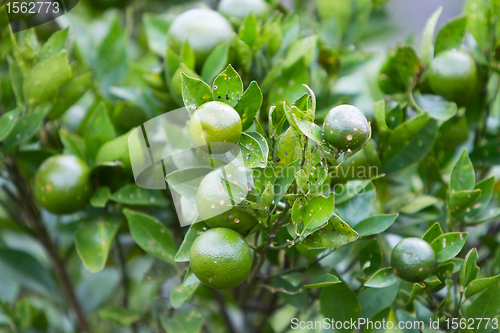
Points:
[(301, 49), (346, 306), (335, 233), (228, 87), (311, 130), (24, 128), (73, 144), (318, 211), (323, 281), (100, 197), (479, 285), (434, 232), (46, 77), (99, 130), (438, 107), (182, 294), (215, 62), (382, 279), (409, 143), (428, 37), (262, 143), (288, 149), (477, 13), (249, 31), (448, 245), (132, 194), (195, 92), (485, 306), (375, 224), (94, 240), (374, 299), (459, 202), (462, 176), (194, 231), (249, 105), (119, 316), (486, 187), (54, 44), (470, 270), (400, 70), (152, 236), (184, 322), (451, 35), (7, 122)]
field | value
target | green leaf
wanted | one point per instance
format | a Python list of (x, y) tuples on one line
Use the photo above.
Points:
[(16, 79), (477, 12), (374, 299), (418, 204), (195, 92), (152, 236), (399, 73), (69, 94), (187, 55), (24, 128), (249, 30), (479, 285), (459, 202), (352, 189), (182, 294), (131, 194), (382, 279), (251, 152), (470, 270), (7, 122), (100, 197), (54, 44), (444, 271), (375, 224), (318, 211), (228, 87), (380, 116), (185, 322), (438, 107), (288, 149), (46, 77), (262, 143), (249, 105), (73, 144), (418, 289), (115, 150), (462, 176), (323, 281), (216, 62), (335, 233), (485, 306), (451, 35), (284, 179), (156, 28), (448, 245), (409, 143), (346, 306), (287, 86), (99, 130), (194, 231), (311, 130), (370, 257), (428, 37), (26, 270), (434, 232), (301, 49), (486, 187), (119, 316), (273, 37), (244, 53), (93, 242)]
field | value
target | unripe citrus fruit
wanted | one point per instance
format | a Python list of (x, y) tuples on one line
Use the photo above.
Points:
[(346, 127), (242, 8), (204, 29), (215, 206), (413, 259), (62, 184), (453, 75), (220, 258), (217, 125)]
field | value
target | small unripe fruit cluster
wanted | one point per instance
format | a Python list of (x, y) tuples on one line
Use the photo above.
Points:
[(346, 128)]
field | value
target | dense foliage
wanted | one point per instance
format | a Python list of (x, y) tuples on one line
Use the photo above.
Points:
[(340, 168)]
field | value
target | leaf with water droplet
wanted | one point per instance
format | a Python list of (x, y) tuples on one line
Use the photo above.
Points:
[(25, 127), (335, 233), (251, 152), (448, 245), (195, 92), (131, 194), (288, 149)]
